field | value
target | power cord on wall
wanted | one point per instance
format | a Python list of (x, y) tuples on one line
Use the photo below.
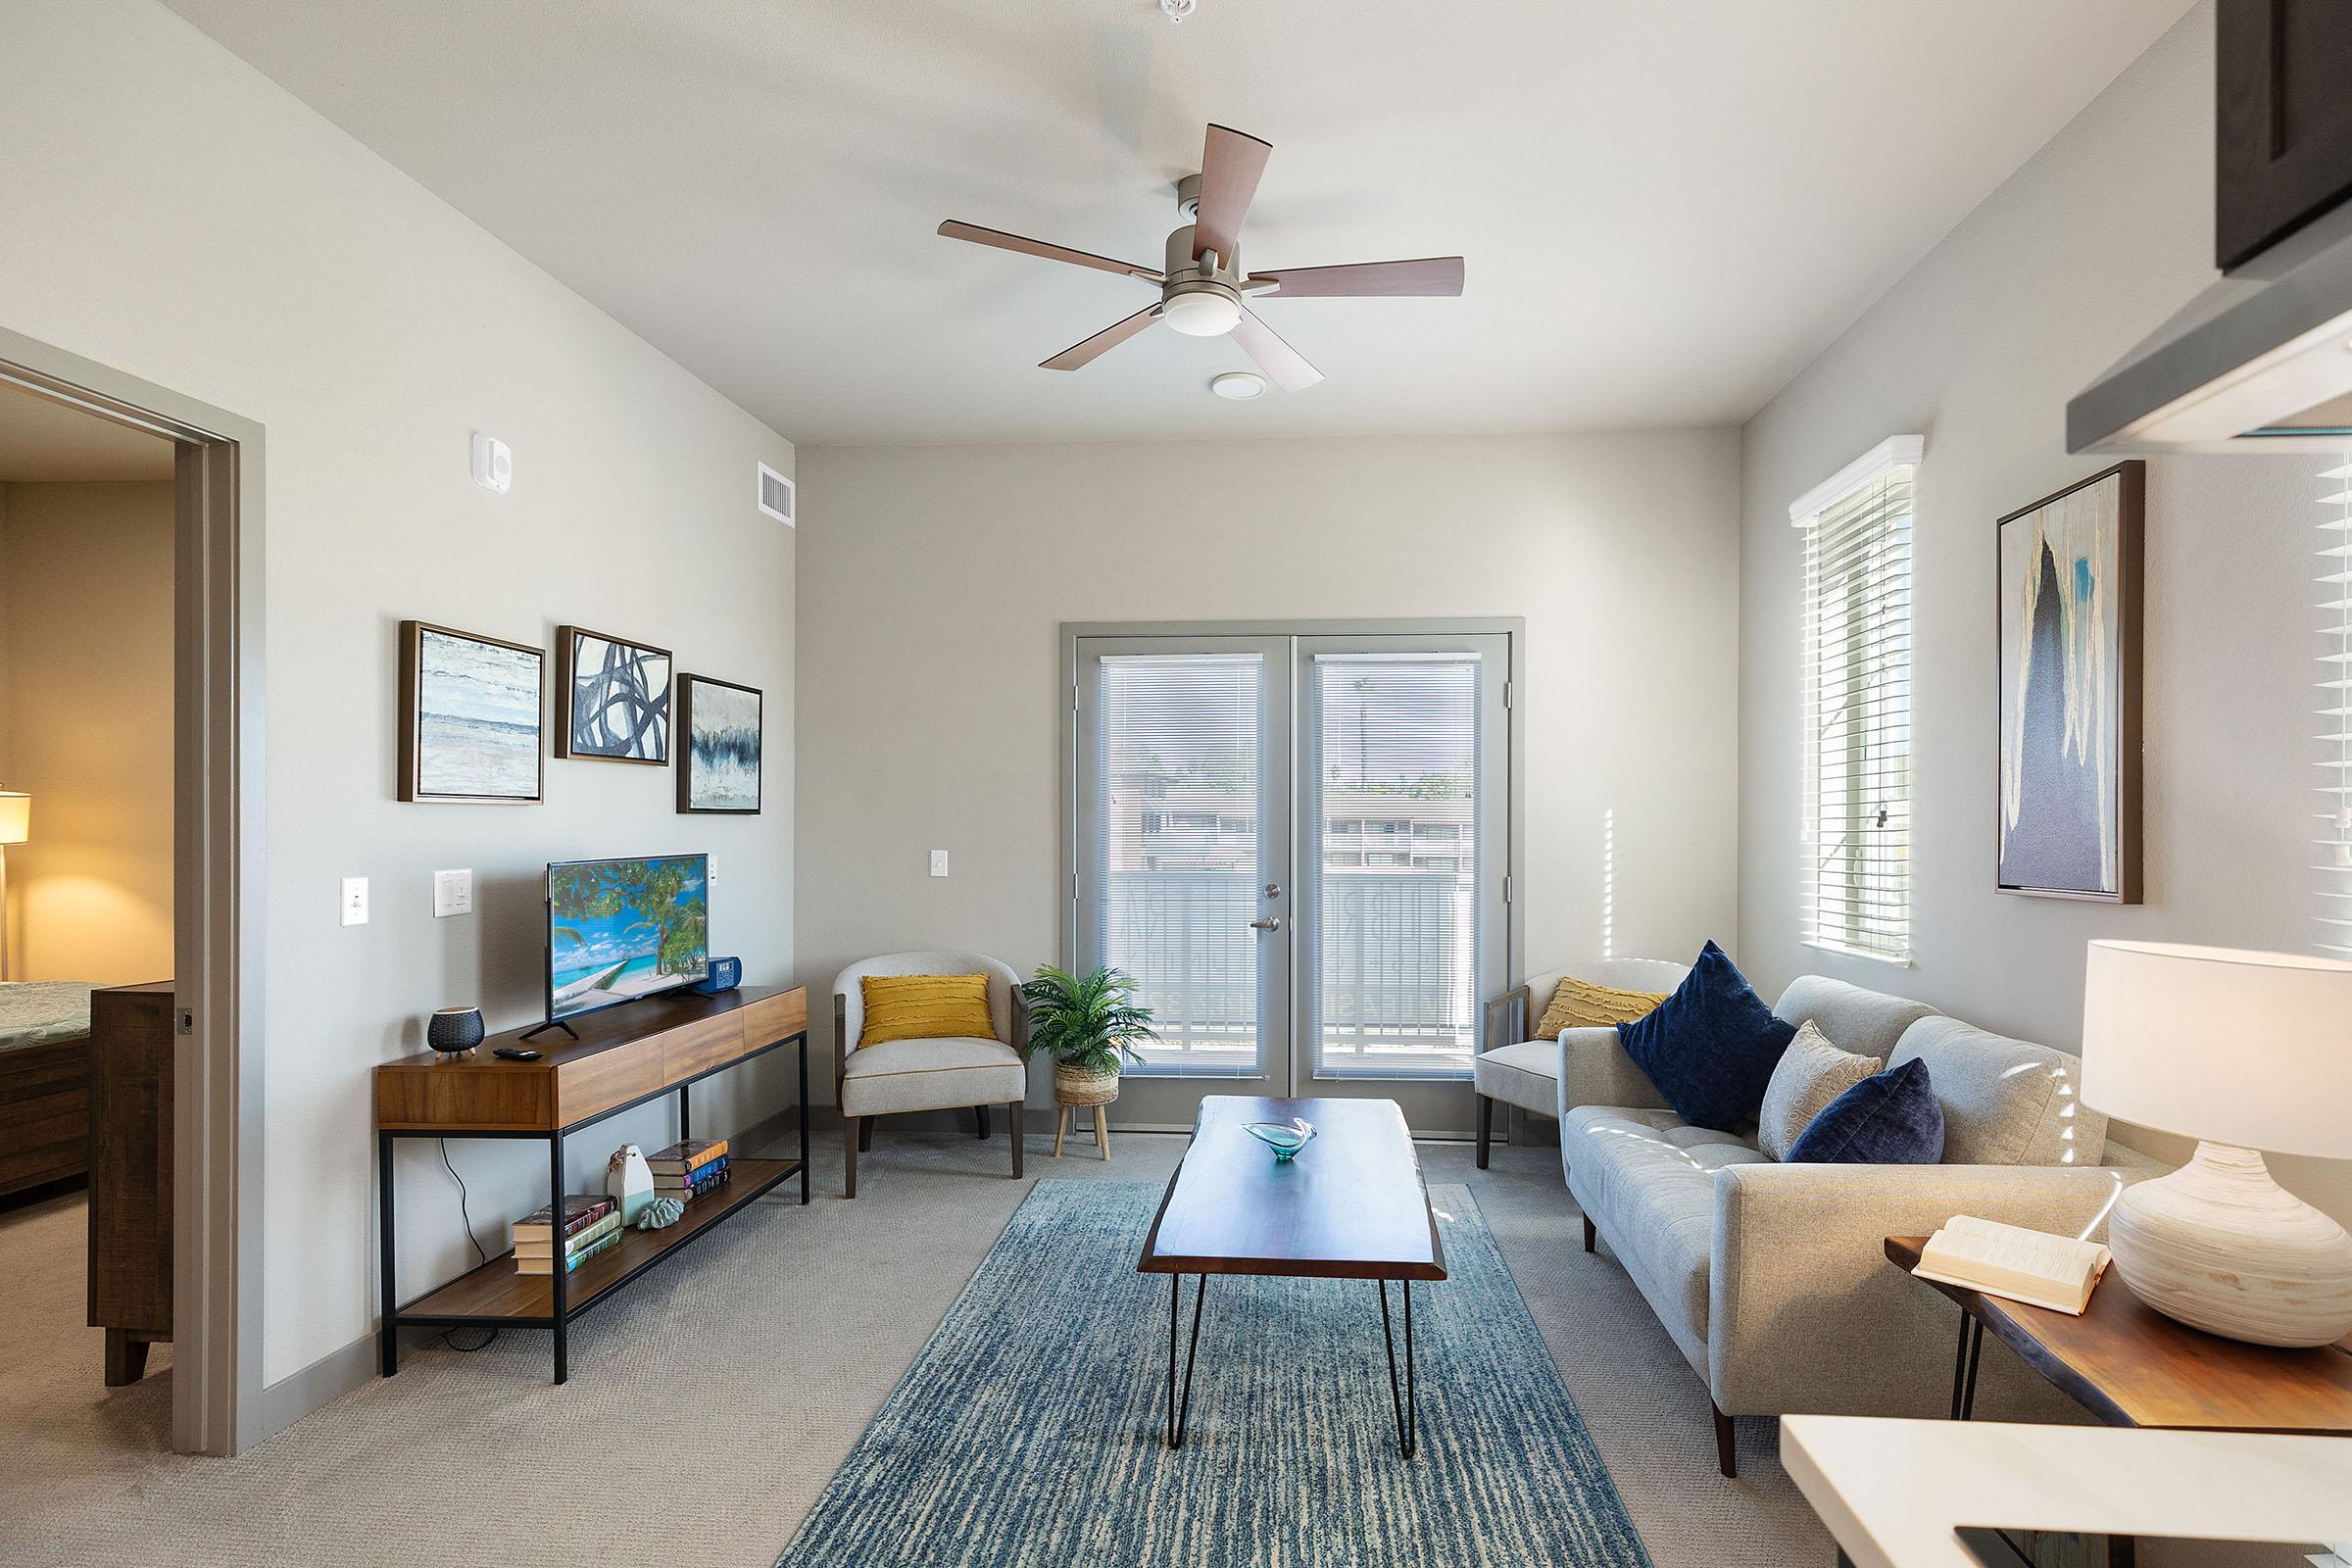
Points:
[(466, 1214)]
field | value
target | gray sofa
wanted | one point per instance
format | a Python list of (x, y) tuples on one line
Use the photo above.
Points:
[(1772, 1279)]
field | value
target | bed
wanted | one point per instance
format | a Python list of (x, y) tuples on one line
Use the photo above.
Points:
[(45, 1083)]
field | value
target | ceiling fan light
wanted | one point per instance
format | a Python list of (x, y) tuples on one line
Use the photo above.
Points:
[(1201, 312), (1240, 386)]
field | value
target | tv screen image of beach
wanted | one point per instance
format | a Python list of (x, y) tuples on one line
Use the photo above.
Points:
[(617, 930)]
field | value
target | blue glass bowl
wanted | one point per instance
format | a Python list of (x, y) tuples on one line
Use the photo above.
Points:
[(1285, 1137)]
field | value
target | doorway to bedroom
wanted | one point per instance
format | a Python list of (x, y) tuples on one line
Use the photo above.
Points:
[(88, 590)]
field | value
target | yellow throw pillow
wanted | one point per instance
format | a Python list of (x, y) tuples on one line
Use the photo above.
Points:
[(924, 1006), (1581, 1005)]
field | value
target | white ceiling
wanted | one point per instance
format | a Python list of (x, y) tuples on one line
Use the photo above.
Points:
[(1668, 206), (42, 442)]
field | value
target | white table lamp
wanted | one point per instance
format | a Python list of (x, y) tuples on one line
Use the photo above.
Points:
[(15, 827), (2241, 1051)]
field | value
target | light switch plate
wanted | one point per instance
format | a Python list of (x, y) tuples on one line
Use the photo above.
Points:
[(453, 893), (354, 901), (939, 863)]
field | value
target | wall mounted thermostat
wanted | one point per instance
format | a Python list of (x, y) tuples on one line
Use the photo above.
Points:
[(493, 464)]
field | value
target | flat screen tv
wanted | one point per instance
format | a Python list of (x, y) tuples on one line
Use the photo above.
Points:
[(617, 930)]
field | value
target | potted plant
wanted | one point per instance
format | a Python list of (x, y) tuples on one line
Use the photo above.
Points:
[(1089, 1026)]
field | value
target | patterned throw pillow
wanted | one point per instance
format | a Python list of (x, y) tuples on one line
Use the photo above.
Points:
[(1584, 1004), (1812, 1073), (1892, 1119), (925, 1007), (1710, 1047)]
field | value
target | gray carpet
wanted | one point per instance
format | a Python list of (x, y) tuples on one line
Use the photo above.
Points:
[(782, 1333), (1030, 1433)]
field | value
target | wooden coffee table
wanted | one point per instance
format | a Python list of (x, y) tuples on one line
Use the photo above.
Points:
[(1353, 1205)]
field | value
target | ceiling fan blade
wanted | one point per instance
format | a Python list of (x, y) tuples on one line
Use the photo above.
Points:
[(997, 237), (1230, 166), (1430, 276), (1084, 353), (1285, 364)]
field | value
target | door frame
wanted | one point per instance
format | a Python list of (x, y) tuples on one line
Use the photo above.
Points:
[(218, 819), (1066, 791)]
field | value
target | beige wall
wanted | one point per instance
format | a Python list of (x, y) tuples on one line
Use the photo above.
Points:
[(174, 214), (934, 579), (86, 652), (2094, 241)]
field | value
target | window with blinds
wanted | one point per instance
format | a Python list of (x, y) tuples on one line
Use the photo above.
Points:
[(1391, 803), (2332, 861), (1855, 824)]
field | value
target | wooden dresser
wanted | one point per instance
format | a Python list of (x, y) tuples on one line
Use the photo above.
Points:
[(130, 1173), (624, 1056)]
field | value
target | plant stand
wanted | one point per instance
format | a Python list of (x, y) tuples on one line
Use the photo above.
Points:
[(1075, 1088)]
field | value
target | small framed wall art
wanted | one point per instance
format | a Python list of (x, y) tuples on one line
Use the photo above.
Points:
[(718, 771), (2068, 818), (614, 699), (470, 717)]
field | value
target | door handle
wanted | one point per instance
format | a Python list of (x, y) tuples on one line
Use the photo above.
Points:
[(1272, 922)]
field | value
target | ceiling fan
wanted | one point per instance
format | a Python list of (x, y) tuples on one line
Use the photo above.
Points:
[(1202, 285)]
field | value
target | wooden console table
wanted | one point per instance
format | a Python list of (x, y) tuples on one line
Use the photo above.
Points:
[(624, 1057)]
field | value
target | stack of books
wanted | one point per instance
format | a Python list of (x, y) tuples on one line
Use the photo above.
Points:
[(687, 1170), (591, 1225)]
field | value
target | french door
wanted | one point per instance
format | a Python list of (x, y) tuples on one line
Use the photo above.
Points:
[(1298, 845)]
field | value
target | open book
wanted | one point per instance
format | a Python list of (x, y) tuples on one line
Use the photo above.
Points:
[(2008, 1260)]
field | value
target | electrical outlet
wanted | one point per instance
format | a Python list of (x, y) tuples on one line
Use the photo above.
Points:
[(939, 863), (453, 893), (710, 867), (354, 901)]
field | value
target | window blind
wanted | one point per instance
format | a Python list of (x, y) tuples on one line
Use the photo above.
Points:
[(1855, 827), (1179, 836), (2331, 862), (1391, 798)]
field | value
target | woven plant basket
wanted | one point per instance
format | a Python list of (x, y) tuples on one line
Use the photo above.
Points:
[(1083, 1086)]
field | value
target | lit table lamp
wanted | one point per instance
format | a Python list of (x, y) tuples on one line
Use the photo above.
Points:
[(2242, 1052), (15, 827)]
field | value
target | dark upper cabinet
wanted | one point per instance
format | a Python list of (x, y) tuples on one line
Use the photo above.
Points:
[(2283, 103)]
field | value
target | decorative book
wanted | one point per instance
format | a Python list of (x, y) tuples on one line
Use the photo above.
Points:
[(665, 1182), (2035, 1267), (580, 1210), (574, 1245), (546, 1265), (690, 1154)]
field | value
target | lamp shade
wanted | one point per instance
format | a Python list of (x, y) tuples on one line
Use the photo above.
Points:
[(16, 817), (2250, 1048)]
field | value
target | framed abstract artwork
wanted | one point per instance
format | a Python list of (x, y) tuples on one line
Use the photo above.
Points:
[(718, 770), (616, 698), (470, 717), (2070, 656)]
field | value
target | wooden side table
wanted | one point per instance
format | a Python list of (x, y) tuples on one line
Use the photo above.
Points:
[(2132, 1366)]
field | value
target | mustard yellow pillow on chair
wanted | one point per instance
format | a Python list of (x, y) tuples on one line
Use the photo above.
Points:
[(1582, 1005), (924, 1006)]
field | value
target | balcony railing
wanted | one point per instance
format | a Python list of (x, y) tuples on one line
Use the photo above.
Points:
[(1398, 980)]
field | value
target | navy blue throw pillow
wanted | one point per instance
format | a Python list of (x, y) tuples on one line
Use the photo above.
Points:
[(1710, 1047), (1892, 1119)]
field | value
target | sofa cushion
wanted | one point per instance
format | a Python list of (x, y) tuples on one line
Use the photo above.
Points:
[(1867, 1023), (2005, 1101), (898, 1075), (1647, 1179), (1525, 1075), (1711, 1047), (1888, 1119), (1583, 1003), (1811, 1073)]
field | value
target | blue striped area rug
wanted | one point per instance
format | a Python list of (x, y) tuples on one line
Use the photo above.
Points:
[(1030, 1431)]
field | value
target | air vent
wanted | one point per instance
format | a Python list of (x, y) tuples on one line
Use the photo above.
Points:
[(775, 495)]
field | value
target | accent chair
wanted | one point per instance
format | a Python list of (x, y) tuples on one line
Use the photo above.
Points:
[(949, 1073), (1526, 1073)]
